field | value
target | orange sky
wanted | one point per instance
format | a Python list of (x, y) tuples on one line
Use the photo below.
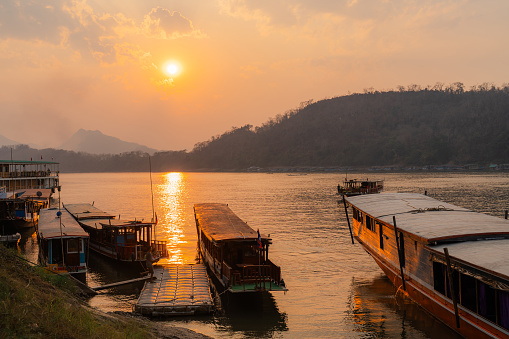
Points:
[(100, 65)]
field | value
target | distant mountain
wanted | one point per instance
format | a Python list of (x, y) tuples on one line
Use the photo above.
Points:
[(7, 142), (95, 142)]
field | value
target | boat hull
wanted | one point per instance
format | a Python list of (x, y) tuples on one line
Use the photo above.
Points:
[(471, 325)]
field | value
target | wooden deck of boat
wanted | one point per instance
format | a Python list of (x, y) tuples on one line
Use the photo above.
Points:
[(178, 290)]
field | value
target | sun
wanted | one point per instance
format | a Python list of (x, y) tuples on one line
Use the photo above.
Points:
[(172, 69)]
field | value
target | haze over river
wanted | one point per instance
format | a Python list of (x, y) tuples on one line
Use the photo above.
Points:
[(335, 288)]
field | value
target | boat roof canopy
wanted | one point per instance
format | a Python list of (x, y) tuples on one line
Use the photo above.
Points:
[(33, 193), (219, 223), (87, 211), (488, 255), (432, 220), (114, 223), (49, 225), (91, 216), (26, 162)]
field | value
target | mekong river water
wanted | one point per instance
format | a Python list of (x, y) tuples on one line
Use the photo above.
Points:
[(335, 288)]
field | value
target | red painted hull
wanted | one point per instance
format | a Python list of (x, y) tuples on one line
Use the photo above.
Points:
[(471, 325)]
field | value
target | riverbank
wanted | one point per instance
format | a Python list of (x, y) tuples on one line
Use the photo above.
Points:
[(37, 303)]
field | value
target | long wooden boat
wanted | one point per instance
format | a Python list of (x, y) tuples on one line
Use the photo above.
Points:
[(450, 260), (62, 242), (358, 187), (236, 254), (125, 241)]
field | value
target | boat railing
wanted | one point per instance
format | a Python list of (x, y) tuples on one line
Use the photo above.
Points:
[(29, 174), (160, 247), (262, 276), (137, 252)]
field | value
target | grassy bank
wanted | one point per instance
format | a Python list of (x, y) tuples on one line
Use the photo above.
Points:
[(37, 303)]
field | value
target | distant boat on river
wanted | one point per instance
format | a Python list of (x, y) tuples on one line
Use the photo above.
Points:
[(451, 261), (236, 254), (358, 187), (126, 241)]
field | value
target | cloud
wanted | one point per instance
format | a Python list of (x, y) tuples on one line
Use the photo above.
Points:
[(250, 71), (164, 24), (33, 20), (348, 27), (75, 25), (266, 14)]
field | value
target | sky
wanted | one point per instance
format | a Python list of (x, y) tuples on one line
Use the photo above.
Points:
[(170, 74)]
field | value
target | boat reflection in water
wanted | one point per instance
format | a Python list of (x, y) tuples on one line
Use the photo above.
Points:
[(378, 310), (253, 314), (103, 271)]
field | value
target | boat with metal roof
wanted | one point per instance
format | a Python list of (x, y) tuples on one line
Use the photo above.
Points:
[(62, 242), (126, 241), (23, 174), (452, 261), (357, 187), (237, 255)]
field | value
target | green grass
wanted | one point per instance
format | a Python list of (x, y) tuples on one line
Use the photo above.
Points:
[(36, 303)]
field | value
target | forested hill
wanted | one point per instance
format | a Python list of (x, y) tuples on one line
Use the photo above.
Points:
[(374, 129), (404, 128)]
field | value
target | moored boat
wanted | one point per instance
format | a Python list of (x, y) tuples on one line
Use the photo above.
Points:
[(23, 206), (358, 187), (236, 255), (126, 241), (62, 242), (20, 174), (451, 261)]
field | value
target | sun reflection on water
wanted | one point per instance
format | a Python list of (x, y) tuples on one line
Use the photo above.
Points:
[(172, 219)]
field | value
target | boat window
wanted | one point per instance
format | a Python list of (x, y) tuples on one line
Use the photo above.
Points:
[(503, 307), (356, 214), (73, 245), (439, 277), (468, 292), (487, 301), (441, 280), (475, 295), (370, 223), (380, 228)]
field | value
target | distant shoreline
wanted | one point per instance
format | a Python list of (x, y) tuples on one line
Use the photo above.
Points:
[(272, 170)]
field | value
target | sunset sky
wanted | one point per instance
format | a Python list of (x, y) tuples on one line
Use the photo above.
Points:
[(170, 74)]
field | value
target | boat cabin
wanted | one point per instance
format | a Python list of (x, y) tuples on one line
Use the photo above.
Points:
[(123, 240)]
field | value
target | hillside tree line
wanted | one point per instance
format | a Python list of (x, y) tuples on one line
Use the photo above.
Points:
[(412, 126)]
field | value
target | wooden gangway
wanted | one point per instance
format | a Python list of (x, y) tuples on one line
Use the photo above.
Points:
[(178, 290), (120, 283)]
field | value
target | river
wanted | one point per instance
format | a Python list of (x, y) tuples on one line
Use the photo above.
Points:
[(335, 288)]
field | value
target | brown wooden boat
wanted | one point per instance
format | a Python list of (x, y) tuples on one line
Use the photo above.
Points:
[(357, 187), (125, 241), (237, 255), (451, 261)]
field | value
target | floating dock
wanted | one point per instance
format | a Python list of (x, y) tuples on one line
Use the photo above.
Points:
[(178, 290)]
